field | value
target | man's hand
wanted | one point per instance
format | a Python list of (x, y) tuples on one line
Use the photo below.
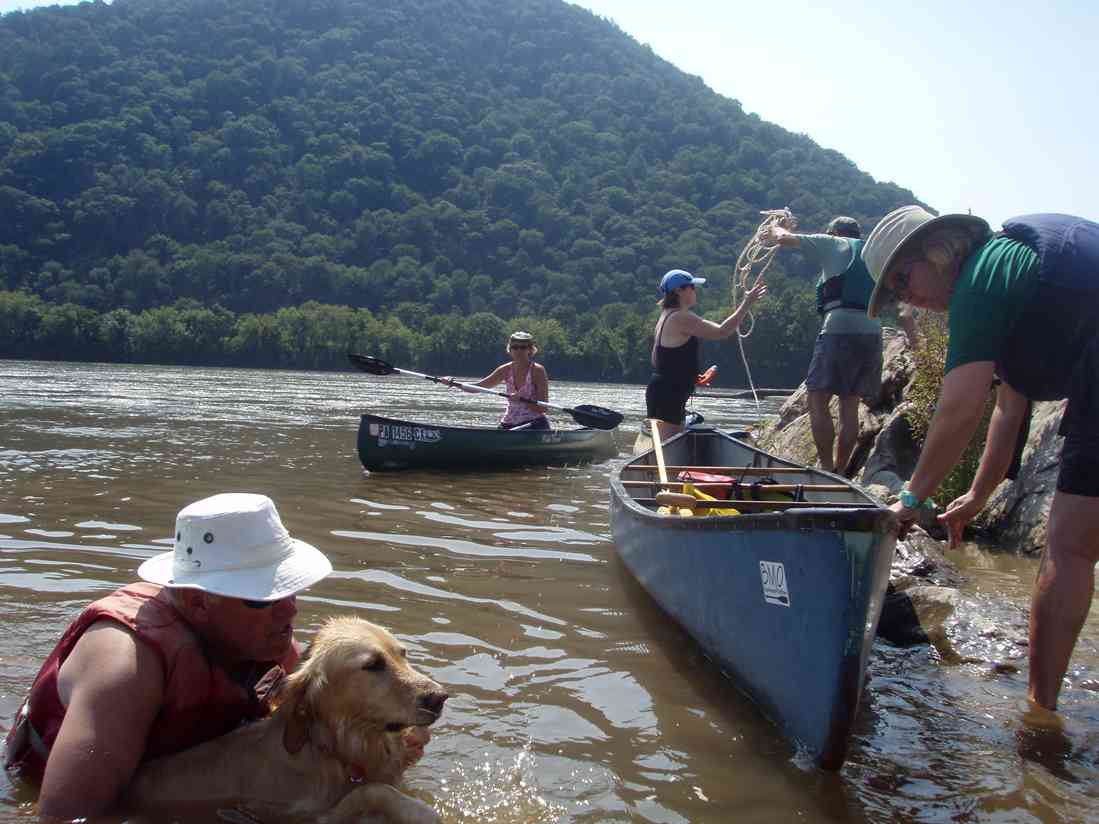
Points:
[(906, 517), (960, 512), (777, 236)]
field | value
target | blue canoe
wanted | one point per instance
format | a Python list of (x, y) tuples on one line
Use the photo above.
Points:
[(784, 597)]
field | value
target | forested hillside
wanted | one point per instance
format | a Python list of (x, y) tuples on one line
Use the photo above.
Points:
[(274, 182)]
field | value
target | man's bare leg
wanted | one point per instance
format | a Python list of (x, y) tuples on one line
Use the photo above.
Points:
[(824, 434), (1063, 593), (848, 434)]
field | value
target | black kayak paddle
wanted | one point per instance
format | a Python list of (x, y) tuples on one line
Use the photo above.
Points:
[(593, 417)]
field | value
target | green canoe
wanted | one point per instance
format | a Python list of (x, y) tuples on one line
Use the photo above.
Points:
[(388, 443)]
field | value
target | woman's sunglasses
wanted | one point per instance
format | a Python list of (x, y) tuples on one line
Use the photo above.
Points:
[(518, 346)]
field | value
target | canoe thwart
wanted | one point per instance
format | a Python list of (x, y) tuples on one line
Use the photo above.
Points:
[(689, 501), (767, 488), (733, 470)]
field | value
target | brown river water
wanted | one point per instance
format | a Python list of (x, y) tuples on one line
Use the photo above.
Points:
[(573, 697)]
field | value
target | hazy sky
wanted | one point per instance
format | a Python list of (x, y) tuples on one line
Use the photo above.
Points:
[(989, 105), (971, 104)]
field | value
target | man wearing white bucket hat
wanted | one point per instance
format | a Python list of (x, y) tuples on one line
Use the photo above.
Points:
[(161, 666), (1024, 305)]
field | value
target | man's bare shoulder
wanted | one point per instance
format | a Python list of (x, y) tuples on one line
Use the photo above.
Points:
[(112, 686), (107, 655)]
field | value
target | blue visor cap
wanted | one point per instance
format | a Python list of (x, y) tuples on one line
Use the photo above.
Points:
[(677, 279)]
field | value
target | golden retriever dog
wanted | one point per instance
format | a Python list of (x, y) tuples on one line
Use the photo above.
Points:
[(350, 719)]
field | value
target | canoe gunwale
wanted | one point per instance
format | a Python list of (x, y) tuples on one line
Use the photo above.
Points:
[(794, 520)]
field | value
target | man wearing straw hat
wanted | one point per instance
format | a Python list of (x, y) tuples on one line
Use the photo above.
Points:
[(1023, 305), (162, 665), (847, 355)]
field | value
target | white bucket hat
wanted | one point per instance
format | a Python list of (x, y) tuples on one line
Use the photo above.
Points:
[(234, 544), (894, 232)]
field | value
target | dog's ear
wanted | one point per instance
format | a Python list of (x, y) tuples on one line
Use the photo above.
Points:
[(295, 702)]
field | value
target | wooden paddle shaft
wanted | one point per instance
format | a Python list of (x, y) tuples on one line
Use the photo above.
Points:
[(763, 487), (658, 450), (665, 497)]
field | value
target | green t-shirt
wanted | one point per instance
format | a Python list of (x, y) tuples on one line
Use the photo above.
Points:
[(833, 255), (994, 286)]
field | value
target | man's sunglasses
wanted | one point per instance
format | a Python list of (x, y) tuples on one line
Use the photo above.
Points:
[(898, 284), (519, 346), (257, 604)]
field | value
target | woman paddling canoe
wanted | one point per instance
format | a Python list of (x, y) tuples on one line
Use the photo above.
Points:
[(523, 378)]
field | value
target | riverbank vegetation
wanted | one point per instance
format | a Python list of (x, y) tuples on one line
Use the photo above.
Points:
[(264, 183)]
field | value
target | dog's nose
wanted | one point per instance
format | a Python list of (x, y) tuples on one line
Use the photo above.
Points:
[(434, 701)]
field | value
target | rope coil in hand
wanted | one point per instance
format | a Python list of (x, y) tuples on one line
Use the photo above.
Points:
[(757, 255)]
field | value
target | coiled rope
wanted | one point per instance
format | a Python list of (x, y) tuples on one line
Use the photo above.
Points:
[(757, 255)]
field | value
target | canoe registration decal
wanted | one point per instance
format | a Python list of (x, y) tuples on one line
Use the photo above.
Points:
[(391, 434), (773, 575)]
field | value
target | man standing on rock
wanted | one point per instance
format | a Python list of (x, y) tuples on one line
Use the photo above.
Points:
[(847, 357)]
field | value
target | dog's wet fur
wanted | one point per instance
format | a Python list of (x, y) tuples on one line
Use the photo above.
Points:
[(350, 719)]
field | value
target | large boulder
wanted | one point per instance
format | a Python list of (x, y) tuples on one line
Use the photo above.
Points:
[(920, 560), (892, 455), (1018, 511), (919, 594)]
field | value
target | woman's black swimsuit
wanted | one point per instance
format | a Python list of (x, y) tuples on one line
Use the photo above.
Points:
[(674, 379)]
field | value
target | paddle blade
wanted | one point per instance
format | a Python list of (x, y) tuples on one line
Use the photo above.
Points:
[(368, 363), (595, 417)]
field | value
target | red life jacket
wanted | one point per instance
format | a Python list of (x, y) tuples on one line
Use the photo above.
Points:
[(201, 701)]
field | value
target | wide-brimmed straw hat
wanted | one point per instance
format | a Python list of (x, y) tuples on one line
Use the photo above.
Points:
[(896, 232), (234, 544)]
